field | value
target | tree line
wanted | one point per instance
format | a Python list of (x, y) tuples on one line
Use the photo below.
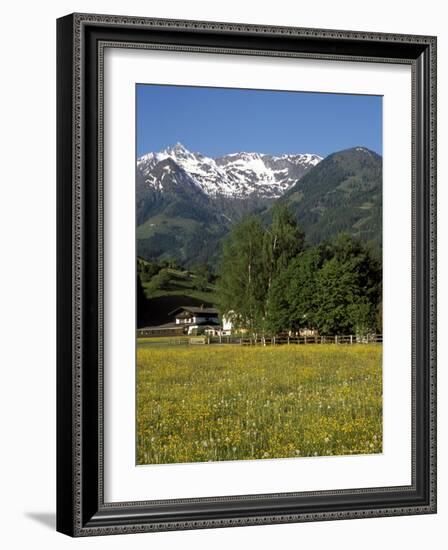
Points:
[(270, 281)]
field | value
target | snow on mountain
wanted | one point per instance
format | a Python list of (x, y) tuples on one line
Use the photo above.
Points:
[(237, 175)]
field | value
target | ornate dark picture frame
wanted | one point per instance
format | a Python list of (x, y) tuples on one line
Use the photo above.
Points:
[(81, 509)]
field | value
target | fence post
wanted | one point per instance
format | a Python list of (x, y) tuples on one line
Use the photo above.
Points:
[(304, 339)]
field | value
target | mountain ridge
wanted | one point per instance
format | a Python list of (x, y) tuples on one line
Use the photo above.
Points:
[(187, 202), (234, 175), (341, 194)]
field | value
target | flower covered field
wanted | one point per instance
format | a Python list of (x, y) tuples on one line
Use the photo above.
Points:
[(228, 402)]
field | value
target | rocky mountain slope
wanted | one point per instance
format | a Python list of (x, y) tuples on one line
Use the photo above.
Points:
[(238, 175), (186, 202)]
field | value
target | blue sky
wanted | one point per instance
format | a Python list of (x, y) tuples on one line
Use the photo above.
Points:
[(215, 121)]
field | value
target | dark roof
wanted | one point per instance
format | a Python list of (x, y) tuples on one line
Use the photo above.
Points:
[(180, 327), (195, 309)]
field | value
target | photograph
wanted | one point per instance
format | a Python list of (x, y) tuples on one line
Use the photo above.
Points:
[(258, 274)]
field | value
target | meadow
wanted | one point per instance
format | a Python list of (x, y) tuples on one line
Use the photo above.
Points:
[(229, 402)]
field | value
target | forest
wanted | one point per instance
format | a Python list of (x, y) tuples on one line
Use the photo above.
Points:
[(271, 280)]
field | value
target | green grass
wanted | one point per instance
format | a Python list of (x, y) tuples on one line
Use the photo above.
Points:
[(163, 223), (193, 293), (211, 403), (181, 283), (163, 341)]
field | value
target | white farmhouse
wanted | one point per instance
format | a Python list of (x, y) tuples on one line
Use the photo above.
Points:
[(197, 319)]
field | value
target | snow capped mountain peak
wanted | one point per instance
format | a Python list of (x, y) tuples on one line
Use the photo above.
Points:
[(179, 146), (177, 149), (235, 175)]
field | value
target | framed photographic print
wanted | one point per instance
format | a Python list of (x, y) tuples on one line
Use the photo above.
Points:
[(246, 274)]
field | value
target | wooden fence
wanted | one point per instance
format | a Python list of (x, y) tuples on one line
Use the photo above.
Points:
[(345, 339), (349, 339)]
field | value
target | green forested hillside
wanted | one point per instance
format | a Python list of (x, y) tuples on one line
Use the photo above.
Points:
[(343, 193)]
